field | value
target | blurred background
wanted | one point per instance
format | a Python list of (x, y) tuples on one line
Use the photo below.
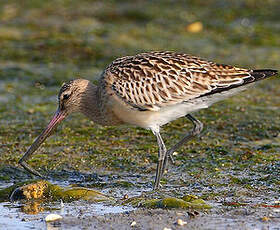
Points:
[(52, 41), (45, 43)]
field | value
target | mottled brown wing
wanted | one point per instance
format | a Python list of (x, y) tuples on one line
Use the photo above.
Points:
[(149, 81)]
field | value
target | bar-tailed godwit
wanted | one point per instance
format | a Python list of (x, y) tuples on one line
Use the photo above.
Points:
[(149, 90)]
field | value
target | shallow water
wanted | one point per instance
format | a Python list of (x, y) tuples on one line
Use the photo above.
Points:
[(13, 218), (17, 215)]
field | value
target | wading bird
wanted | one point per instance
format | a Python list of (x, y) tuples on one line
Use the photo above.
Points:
[(149, 90)]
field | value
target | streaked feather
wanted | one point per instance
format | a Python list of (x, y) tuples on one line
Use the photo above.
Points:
[(150, 81)]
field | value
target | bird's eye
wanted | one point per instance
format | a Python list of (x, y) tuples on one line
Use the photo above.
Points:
[(66, 96)]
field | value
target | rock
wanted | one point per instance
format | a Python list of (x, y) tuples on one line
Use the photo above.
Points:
[(265, 219)]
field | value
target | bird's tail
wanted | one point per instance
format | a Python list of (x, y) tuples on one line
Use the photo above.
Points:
[(254, 75), (260, 74)]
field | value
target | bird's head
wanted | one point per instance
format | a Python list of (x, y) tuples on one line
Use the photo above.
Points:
[(71, 95), (70, 99)]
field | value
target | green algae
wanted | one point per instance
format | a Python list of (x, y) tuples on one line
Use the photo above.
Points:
[(36, 192), (71, 194), (172, 202), (44, 190), (186, 202)]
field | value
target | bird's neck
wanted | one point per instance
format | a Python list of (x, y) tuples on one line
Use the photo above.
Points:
[(89, 105), (94, 105)]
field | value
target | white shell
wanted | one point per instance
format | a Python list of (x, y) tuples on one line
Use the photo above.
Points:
[(133, 223), (53, 217), (180, 222)]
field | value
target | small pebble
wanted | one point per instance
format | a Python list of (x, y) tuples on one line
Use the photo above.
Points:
[(133, 223), (265, 218), (194, 27), (53, 217), (180, 222)]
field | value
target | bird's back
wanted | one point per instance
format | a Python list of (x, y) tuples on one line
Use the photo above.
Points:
[(151, 81)]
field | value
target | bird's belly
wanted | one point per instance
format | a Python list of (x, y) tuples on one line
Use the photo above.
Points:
[(153, 119), (144, 119)]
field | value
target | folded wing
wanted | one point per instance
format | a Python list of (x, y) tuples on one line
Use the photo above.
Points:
[(150, 81)]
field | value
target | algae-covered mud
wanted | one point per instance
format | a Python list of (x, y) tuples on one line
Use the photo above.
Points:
[(234, 167)]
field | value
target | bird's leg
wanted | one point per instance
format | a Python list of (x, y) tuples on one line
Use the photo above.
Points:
[(198, 126), (161, 157)]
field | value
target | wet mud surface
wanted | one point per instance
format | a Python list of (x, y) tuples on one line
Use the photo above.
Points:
[(244, 209)]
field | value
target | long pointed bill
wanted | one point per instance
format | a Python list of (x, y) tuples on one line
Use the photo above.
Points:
[(57, 118)]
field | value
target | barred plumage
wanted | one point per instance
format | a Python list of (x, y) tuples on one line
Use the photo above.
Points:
[(150, 81)]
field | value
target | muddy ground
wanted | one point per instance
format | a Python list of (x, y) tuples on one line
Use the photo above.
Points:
[(234, 165)]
